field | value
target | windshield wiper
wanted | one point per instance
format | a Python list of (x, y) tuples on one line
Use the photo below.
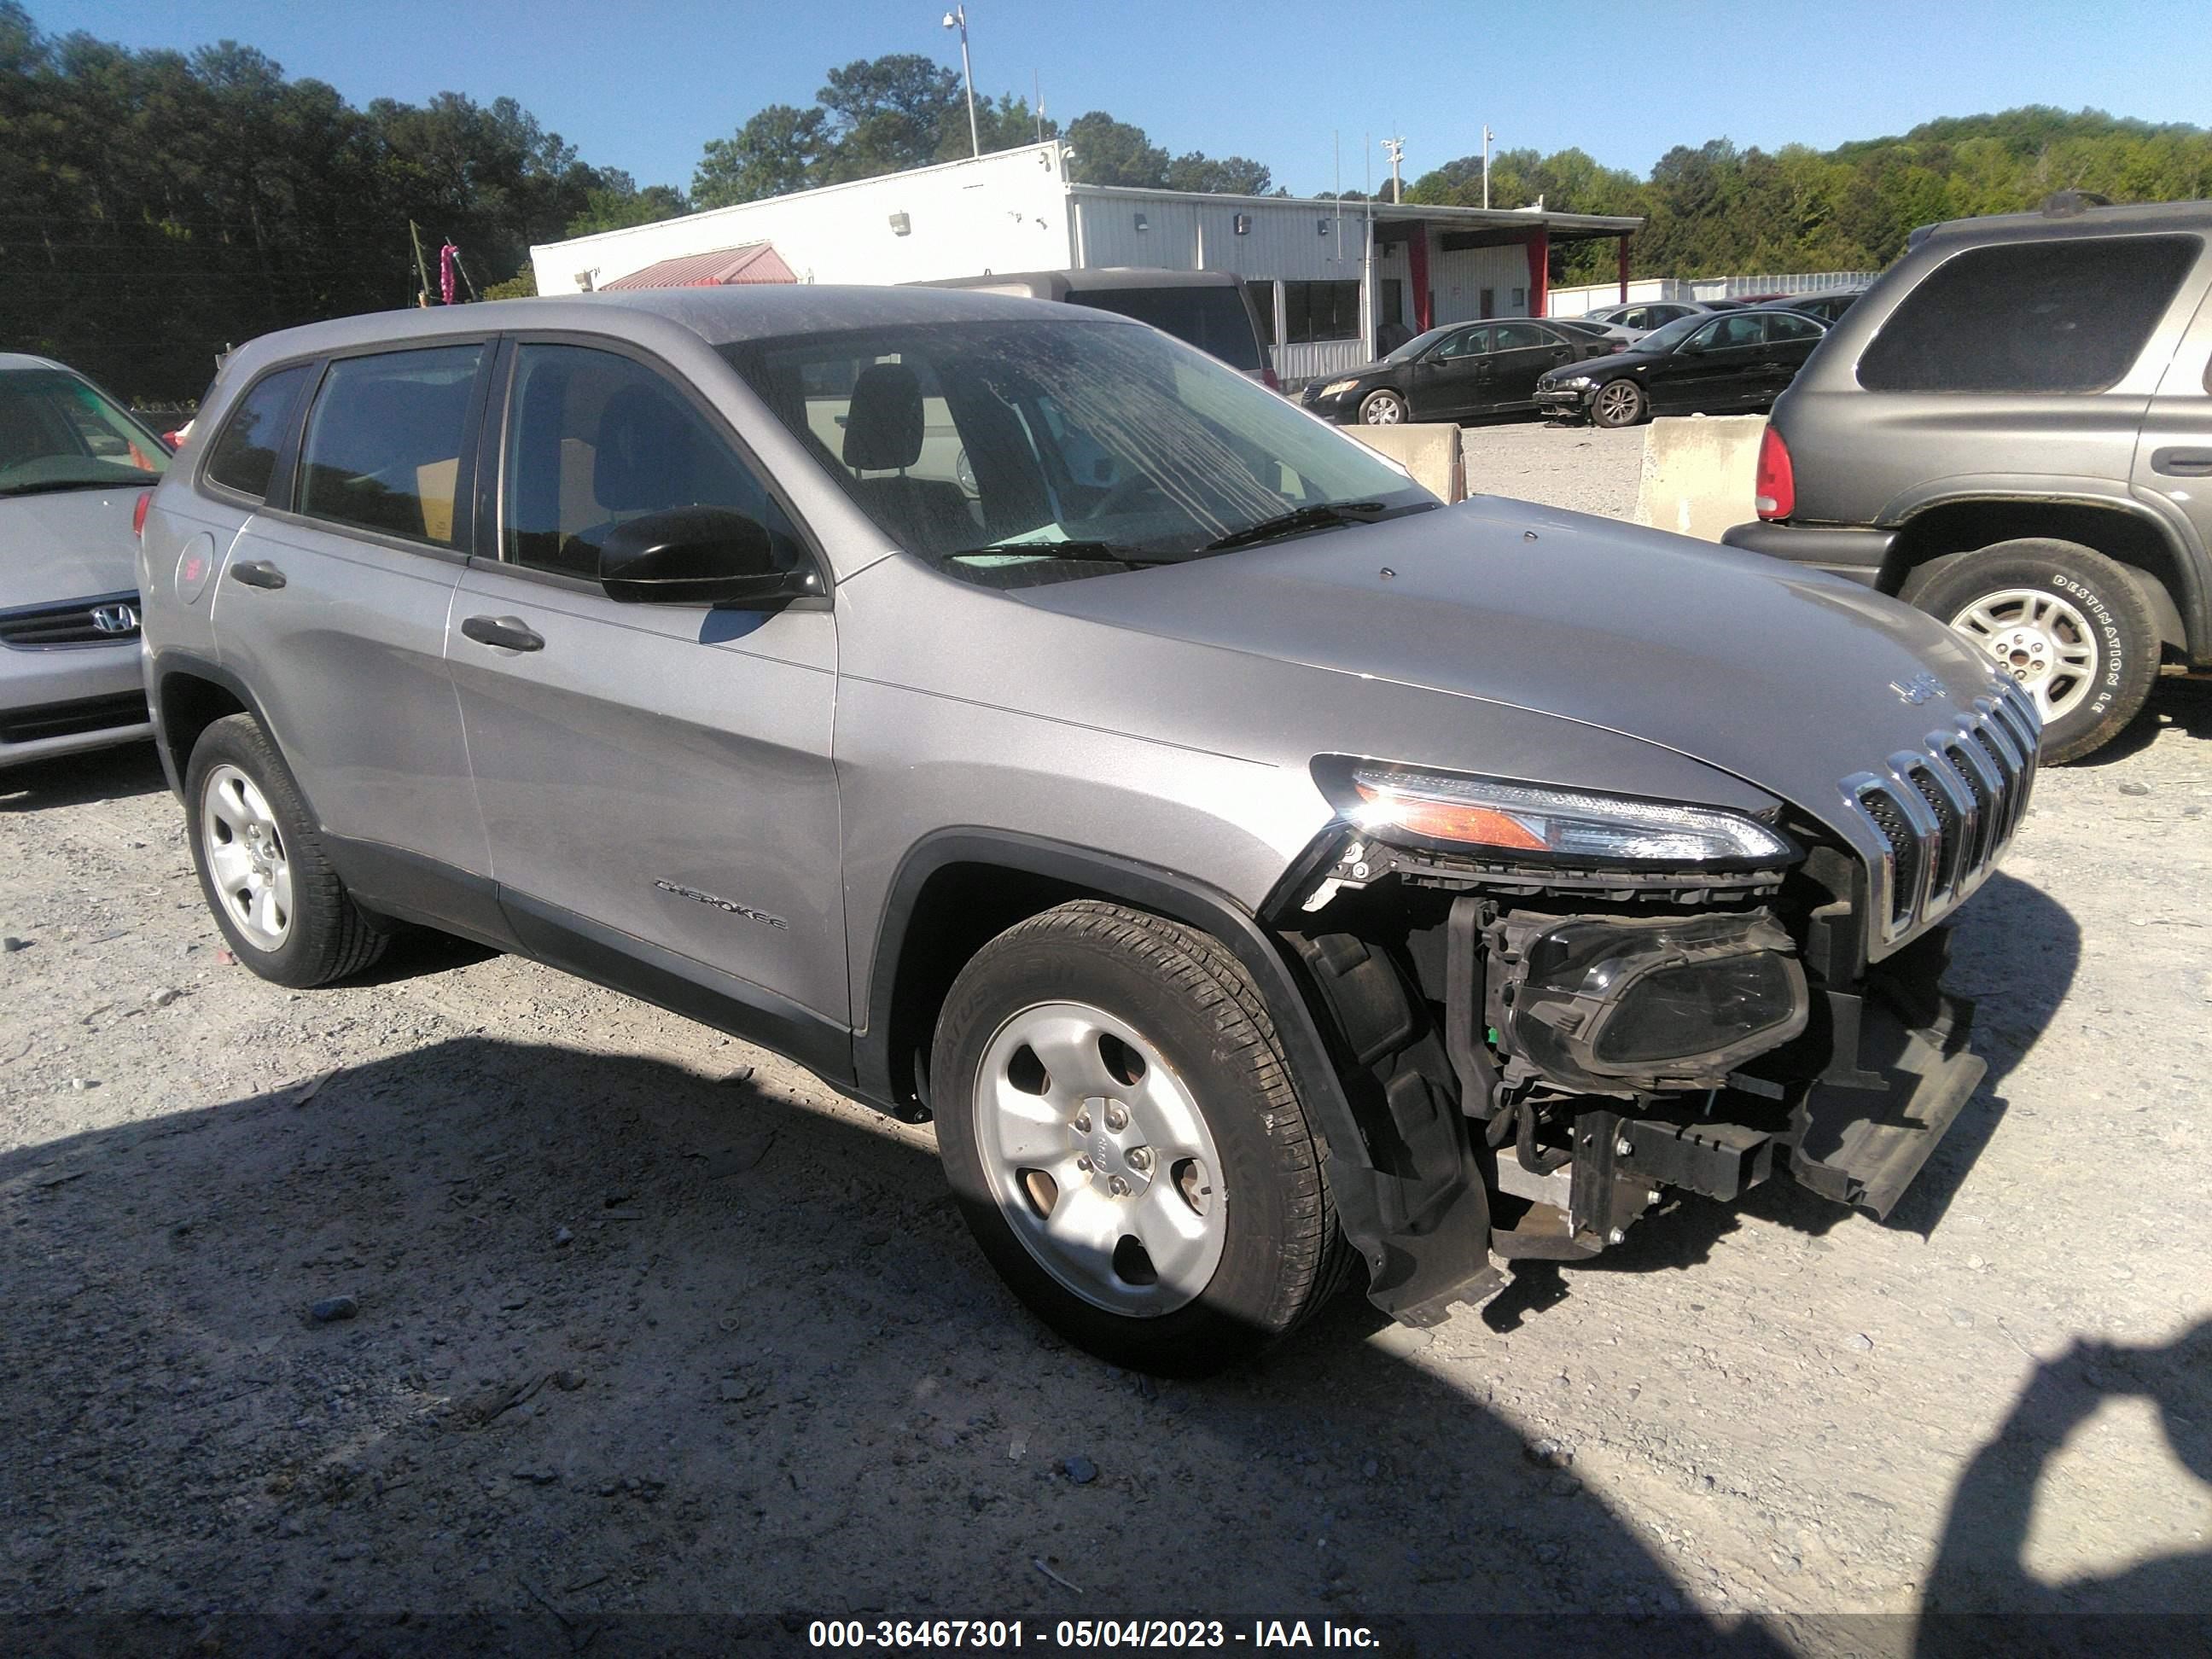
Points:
[(1318, 516), (1103, 551), (49, 486)]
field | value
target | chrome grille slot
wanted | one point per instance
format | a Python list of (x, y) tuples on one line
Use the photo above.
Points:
[(1944, 813), (74, 622)]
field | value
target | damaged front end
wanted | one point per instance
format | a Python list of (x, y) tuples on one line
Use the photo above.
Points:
[(1571, 1006)]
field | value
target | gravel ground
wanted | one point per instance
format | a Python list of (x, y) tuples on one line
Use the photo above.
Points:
[(629, 1317)]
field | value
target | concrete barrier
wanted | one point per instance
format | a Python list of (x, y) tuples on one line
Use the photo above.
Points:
[(1699, 472), (1431, 453)]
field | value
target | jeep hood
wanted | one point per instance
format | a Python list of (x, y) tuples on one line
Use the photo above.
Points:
[(1789, 680)]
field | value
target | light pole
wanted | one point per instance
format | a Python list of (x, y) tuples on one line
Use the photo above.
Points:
[(957, 19), (1487, 134)]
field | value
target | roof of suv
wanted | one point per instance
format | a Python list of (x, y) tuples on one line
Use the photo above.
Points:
[(1056, 284), (717, 315), (2060, 218)]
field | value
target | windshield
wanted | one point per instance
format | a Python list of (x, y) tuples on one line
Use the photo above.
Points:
[(1420, 342), (57, 432), (1667, 338), (1212, 318), (982, 445)]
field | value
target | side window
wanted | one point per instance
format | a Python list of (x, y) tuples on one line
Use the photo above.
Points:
[(2053, 316), (1518, 337), (1707, 338), (1788, 326), (244, 456), (1741, 328), (1467, 342), (595, 440), (384, 443)]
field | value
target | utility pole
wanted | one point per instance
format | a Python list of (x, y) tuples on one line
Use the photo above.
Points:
[(1487, 134), (422, 271), (1036, 85), (957, 19), (1396, 150)]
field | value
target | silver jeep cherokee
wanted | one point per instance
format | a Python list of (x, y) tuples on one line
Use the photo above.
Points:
[(1256, 869)]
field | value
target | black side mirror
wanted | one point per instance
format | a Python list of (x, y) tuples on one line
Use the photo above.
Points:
[(697, 556)]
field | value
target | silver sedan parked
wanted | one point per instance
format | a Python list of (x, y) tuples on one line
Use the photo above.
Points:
[(74, 469)]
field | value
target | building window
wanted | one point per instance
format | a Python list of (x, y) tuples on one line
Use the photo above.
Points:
[(1263, 301), (1320, 311), (1520, 303), (1143, 223)]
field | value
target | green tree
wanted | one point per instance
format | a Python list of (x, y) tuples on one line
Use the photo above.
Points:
[(887, 114), (777, 151), (1111, 152), (1232, 175)]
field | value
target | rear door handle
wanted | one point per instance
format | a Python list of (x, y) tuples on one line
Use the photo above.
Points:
[(258, 572), (510, 632), (2183, 463)]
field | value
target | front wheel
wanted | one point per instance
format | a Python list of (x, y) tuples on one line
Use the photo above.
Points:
[(1383, 409), (2066, 623), (1118, 1123), (1617, 403)]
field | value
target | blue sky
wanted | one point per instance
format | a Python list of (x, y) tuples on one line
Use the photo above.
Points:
[(644, 86)]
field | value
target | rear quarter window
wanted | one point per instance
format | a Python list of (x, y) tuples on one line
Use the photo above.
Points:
[(244, 457), (2030, 317), (1212, 318)]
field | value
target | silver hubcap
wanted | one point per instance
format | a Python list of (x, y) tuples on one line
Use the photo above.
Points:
[(1617, 402), (2039, 639), (245, 856), (1100, 1159), (1384, 411)]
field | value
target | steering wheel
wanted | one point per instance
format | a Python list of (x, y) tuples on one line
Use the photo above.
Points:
[(1125, 494)]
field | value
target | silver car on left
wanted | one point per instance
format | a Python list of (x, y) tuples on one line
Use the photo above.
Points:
[(75, 469)]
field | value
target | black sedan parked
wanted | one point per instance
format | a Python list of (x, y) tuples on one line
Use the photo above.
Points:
[(1457, 372), (1826, 307), (1701, 365)]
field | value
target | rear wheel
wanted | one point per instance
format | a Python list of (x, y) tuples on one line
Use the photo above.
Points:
[(280, 905), (2065, 622), (1383, 409), (1617, 403), (1118, 1123)]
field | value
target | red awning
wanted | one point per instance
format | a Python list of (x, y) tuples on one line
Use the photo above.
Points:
[(755, 262)]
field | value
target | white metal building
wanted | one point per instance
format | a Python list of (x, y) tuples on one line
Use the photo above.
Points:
[(1329, 278)]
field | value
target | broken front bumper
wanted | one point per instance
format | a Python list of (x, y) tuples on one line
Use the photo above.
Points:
[(1897, 1075)]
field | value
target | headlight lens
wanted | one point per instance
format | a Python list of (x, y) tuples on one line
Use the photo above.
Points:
[(1567, 824), (1577, 381), (1338, 388)]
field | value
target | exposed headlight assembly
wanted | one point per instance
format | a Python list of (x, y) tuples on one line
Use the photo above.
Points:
[(1338, 388), (1520, 821), (1573, 382), (1606, 1003)]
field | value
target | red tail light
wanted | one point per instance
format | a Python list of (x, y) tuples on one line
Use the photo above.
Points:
[(138, 512), (1775, 495), (1268, 379)]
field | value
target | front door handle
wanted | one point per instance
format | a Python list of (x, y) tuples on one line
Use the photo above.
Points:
[(2183, 463), (510, 632), (258, 572)]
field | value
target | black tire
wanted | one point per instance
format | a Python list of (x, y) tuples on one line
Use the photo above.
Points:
[(1617, 404), (1284, 1255), (326, 937), (1373, 406), (2094, 600)]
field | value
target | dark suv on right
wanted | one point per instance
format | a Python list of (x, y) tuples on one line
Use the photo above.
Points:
[(2013, 430)]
